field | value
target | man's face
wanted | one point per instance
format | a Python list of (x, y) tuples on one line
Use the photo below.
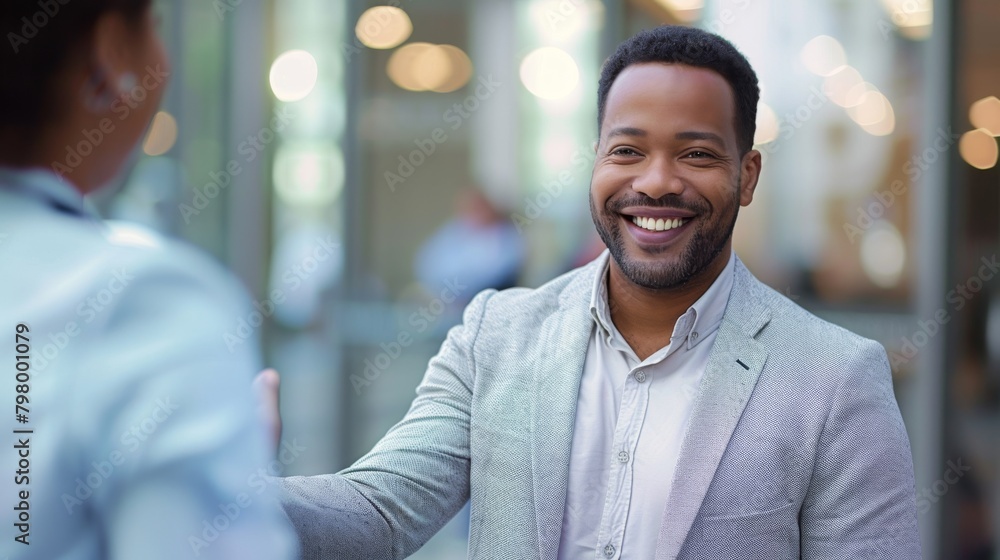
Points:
[(668, 178)]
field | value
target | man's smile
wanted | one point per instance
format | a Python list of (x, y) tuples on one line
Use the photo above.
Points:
[(658, 224), (655, 226)]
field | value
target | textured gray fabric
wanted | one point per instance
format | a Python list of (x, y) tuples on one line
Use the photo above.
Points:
[(802, 453)]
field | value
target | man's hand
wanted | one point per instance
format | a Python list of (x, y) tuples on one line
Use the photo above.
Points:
[(266, 385)]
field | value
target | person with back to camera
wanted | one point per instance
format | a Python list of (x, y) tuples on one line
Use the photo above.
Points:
[(658, 403), (139, 430)]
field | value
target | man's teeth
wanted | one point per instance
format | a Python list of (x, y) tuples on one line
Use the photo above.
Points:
[(658, 224)]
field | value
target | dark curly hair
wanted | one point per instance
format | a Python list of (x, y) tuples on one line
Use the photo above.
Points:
[(672, 44), (39, 39)]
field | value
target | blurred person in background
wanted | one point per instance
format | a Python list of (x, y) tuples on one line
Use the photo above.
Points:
[(659, 402), (137, 432), (478, 249)]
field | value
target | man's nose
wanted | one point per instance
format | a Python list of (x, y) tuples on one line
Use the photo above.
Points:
[(659, 177)]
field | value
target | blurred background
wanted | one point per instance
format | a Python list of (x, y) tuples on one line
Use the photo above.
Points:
[(367, 168)]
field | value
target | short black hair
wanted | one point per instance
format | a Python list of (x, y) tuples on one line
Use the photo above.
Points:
[(40, 37), (674, 44)]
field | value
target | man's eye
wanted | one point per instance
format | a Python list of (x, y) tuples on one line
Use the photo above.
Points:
[(699, 154), (624, 152)]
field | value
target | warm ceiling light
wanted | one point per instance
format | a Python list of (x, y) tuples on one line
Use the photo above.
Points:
[(401, 63), (823, 55), (549, 73), (685, 10), (978, 148), (913, 18), (432, 68), (383, 27), (884, 126), (422, 67), (857, 94), (873, 112), (460, 69), (871, 108), (838, 84), (985, 114)]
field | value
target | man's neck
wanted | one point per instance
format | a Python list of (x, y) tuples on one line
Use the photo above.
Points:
[(646, 317)]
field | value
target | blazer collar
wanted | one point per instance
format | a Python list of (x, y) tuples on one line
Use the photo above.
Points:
[(702, 318), (730, 377), (564, 338)]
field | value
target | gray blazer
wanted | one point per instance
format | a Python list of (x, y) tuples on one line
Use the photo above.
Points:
[(795, 447)]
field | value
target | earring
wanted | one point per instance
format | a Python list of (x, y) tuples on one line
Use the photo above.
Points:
[(97, 98), (126, 83)]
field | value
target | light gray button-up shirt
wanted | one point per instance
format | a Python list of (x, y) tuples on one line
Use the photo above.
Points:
[(630, 420)]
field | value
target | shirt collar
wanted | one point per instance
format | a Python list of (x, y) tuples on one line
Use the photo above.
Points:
[(47, 187), (700, 320)]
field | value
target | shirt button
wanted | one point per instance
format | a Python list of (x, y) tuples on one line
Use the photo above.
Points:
[(609, 550), (623, 456), (640, 376), (694, 335)]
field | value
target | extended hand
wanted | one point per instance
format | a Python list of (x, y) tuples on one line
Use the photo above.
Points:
[(267, 385)]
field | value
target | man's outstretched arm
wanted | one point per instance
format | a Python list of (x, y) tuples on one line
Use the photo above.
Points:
[(392, 500)]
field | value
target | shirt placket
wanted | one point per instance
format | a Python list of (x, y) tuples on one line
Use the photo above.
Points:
[(632, 412)]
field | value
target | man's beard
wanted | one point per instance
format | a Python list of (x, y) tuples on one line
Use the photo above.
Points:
[(705, 245)]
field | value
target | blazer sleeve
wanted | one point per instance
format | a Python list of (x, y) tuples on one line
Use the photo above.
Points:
[(860, 502), (392, 500)]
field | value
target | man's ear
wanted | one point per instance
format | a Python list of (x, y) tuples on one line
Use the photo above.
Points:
[(750, 167), (111, 53)]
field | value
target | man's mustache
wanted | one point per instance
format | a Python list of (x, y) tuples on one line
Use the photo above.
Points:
[(671, 201)]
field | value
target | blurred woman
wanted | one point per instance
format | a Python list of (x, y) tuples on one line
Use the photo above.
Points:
[(130, 425)]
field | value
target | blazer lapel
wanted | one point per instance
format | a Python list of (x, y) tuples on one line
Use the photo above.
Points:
[(730, 376), (560, 353)]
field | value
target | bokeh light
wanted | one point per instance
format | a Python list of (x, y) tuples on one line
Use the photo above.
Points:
[(978, 148), (383, 27), (767, 125), (913, 18), (293, 75), (883, 254), (549, 73), (162, 135), (823, 55), (460, 70), (429, 67), (871, 108), (985, 114), (307, 174), (840, 83), (685, 10)]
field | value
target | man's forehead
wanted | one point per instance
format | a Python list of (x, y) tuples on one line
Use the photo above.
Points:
[(697, 93), (665, 76)]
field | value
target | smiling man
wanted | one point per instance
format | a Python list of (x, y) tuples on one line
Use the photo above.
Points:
[(659, 402)]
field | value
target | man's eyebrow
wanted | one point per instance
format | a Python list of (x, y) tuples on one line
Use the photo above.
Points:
[(697, 135), (626, 131)]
